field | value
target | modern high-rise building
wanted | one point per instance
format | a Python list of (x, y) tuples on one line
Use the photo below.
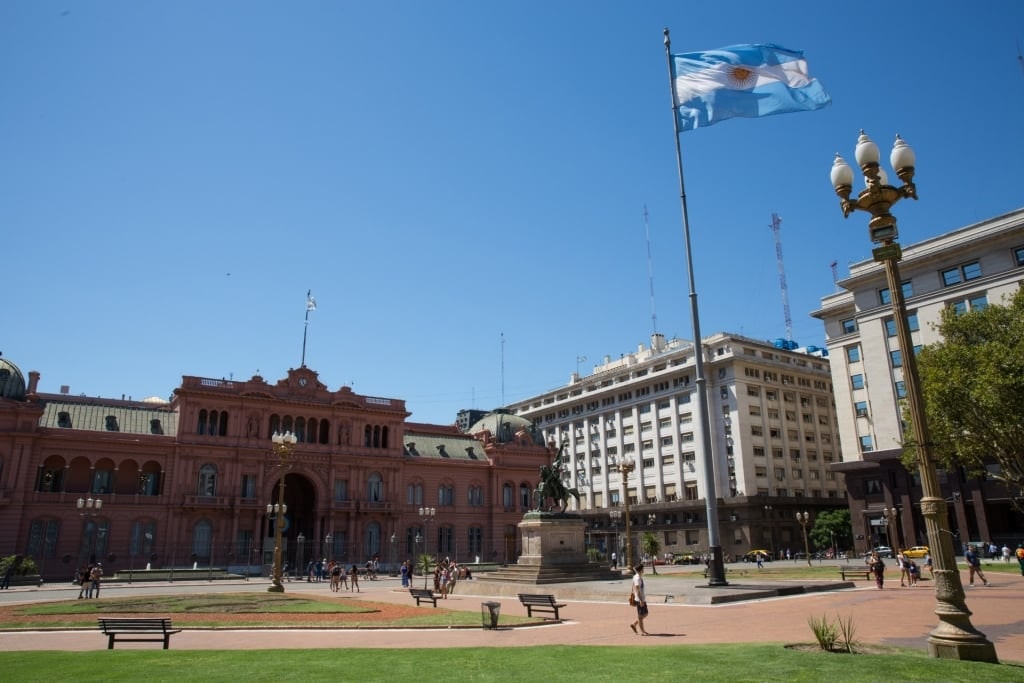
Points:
[(965, 269), (774, 435)]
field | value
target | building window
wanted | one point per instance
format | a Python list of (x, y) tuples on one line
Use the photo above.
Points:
[(207, 485), (1018, 254), (476, 496), (884, 295), (866, 444), (857, 381), (978, 303), (476, 542), (202, 538), (414, 494), (896, 357), (901, 390), (446, 494), (849, 326), (962, 273), (862, 408), (141, 541), (374, 488), (248, 486), (853, 354), (42, 538), (341, 490)]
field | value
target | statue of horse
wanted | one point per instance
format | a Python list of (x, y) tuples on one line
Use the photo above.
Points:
[(551, 486)]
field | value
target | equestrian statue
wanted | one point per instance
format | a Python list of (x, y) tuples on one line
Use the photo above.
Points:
[(551, 486)]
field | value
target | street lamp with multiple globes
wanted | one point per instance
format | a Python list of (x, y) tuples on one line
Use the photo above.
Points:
[(284, 448), (88, 507), (804, 518), (892, 516), (624, 466), (427, 514), (954, 637), (651, 519)]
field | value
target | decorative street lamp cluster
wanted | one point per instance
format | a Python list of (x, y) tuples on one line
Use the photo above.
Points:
[(624, 466), (89, 506), (892, 516), (284, 447), (804, 518), (954, 637)]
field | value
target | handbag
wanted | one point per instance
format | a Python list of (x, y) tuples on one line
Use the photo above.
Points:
[(632, 599)]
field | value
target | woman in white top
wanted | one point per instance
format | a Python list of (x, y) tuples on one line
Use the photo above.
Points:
[(640, 598)]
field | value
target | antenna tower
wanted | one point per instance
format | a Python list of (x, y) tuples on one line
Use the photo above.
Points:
[(650, 273), (776, 224)]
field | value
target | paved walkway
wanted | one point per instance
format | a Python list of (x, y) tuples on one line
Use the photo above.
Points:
[(597, 614)]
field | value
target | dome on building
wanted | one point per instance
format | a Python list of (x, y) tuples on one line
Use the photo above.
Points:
[(12, 382), (504, 426)]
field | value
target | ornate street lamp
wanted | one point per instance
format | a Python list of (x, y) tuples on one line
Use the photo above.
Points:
[(328, 548), (892, 516), (393, 571), (651, 519), (954, 637), (771, 530), (804, 518), (624, 466), (283, 447), (300, 568), (616, 517)]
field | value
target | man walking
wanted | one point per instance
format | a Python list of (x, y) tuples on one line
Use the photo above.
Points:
[(974, 566)]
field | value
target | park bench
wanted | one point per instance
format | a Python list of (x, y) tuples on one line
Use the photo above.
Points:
[(855, 570), (138, 630), (424, 594), (540, 602)]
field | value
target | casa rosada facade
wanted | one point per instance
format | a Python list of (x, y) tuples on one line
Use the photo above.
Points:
[(187, 482)]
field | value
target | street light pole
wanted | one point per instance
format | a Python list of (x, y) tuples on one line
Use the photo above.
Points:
[(954, 637), (615, 516), (624, 466), (771, 531), (891, 523), (651, 519), (283, 448), (803, 518)]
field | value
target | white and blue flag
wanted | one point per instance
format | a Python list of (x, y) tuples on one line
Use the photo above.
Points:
[(742, 81)]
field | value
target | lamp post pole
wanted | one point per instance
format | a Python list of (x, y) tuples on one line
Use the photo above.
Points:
[(88, 507), (954, 637), (624, 466), (615, 516), (328, 548), (892, 516), (771, 531), (300, 544), (426, 514), (284, 446), (804, 518), (651, 519), (393, 558)]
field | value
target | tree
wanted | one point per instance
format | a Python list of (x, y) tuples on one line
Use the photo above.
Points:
[(651, 546), (972, 383), (832, 527)]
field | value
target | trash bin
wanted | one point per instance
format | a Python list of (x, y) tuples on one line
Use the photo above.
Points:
[(489, 613)]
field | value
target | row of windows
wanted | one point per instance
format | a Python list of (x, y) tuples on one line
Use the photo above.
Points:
[(306, 430)]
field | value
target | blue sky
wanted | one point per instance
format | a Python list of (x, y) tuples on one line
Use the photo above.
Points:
[(460, 183)]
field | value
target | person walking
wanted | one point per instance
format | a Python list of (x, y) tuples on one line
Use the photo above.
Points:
[(95, 576), (355, 578), (974, 566), (639, 599), (1020, 557), (901, 562), (877, 566)]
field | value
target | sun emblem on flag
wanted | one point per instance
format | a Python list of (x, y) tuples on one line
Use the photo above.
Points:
[(742, 77)]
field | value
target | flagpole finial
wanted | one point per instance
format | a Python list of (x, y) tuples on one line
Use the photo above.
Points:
[(668, 41)]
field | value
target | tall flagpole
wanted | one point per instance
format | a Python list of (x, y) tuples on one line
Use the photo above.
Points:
[(716, 568), (310, 306)]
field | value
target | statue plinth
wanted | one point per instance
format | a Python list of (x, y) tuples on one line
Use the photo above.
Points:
[(552, 539)]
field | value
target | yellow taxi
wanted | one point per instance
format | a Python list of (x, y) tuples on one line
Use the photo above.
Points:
[(752, 555), (916, 552)]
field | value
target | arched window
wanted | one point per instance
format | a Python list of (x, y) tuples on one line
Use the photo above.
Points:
[(368, 436), (202, 538), (51, 476), (414, 494), (446, 494), (201, 423), (372, 540), (476, 542), (300, 429), (383, 437), (287, 424), (374, 488), (325, 431), (222, 427), (275, 425), (507, 497), (207, 485), (376, 436), (524, 497), (95, 538), (141, 541)]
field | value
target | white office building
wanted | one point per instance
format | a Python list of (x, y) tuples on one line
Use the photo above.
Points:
[(968, 268)]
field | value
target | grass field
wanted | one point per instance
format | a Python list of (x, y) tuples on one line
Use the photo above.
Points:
[(704, 664)]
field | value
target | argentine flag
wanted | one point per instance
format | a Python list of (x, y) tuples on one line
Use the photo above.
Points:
[(742, 81)]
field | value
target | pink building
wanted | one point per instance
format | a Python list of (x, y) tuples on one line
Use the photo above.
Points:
[(186, 482)]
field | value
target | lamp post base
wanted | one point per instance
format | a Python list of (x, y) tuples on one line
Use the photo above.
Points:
[(275, 588), (975, 649)]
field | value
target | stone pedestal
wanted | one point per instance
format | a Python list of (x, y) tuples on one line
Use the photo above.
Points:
[(554, 551), (552, 540)]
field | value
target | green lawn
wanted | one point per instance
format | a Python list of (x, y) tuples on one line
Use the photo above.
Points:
[(707, 664)]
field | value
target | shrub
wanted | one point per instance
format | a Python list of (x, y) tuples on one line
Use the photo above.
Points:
[(22, 565), (828, 634)]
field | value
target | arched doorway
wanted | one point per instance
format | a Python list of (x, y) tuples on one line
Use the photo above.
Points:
[(299, 522)]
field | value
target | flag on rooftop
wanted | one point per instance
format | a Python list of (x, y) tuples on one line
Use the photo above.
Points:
[(745, 81)]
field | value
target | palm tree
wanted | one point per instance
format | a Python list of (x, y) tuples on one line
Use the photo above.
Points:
[(651, 546), (426, 565)]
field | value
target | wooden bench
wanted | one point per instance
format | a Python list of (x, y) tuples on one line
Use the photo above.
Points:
[(424, 594), (855, 570), (541, 603), (138, 630)]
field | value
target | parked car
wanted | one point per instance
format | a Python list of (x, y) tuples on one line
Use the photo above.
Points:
[(684, 558), (916, 552), (882, 550), (752, 555)]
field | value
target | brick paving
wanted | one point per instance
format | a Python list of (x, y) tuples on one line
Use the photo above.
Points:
[(597, 614)]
